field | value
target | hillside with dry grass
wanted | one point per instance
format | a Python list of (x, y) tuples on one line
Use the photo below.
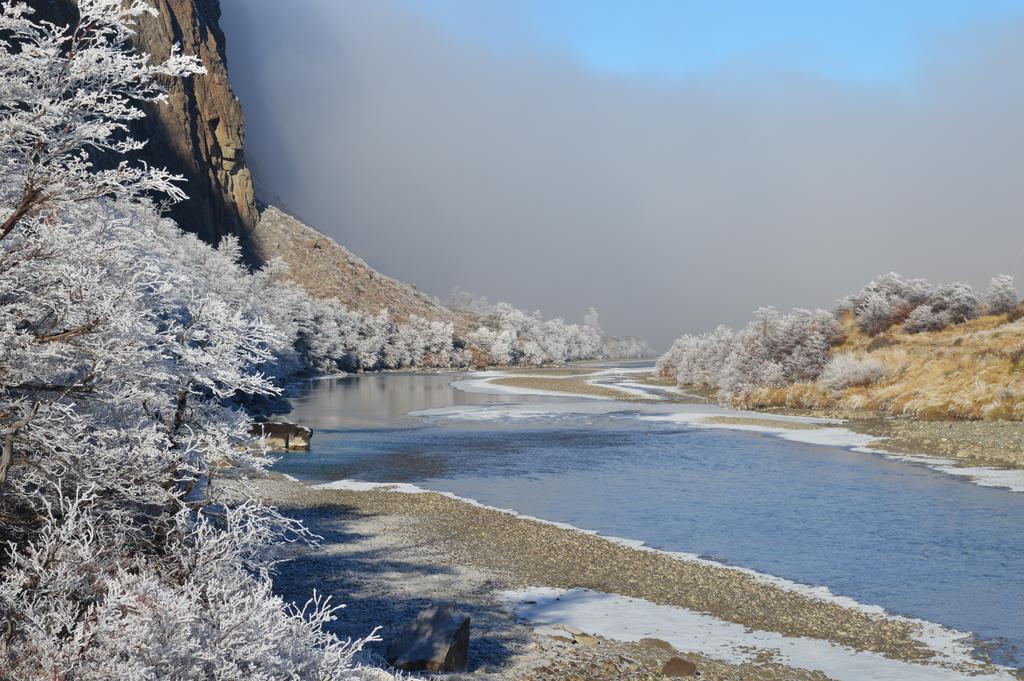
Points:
[(326, 269), (973, 370)]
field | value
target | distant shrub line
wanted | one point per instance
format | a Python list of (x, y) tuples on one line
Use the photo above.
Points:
[(776, 350)]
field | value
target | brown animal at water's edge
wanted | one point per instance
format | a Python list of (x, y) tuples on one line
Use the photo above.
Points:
[(283, 435)]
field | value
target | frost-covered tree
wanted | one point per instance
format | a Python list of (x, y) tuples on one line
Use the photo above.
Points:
[(121, 342), (885, 301), (66, 93), (1001, 296), (508, 335), (698, 360), (776, 350), (627, 347), (897, 288), (773, 350)]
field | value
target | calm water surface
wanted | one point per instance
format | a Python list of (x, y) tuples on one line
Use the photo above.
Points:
[(910, 539)]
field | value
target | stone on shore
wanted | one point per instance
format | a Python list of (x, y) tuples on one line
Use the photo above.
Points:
[(283, 435), (677, 667), (436, 641)]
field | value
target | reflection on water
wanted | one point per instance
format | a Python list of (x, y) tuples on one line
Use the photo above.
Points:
[(374, 400), (905, 537)]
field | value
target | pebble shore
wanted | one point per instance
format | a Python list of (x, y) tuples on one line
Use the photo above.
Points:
[(389, 554)]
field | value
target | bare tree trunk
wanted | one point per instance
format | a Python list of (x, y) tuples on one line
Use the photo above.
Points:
[(7, 454), (29, 197)]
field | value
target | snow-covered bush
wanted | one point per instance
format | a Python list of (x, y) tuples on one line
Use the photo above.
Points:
[(885, 301), (1001, 296), (777, 350), (926, 318), (772, 351), (876, 312), (121, 341), (848, 371)]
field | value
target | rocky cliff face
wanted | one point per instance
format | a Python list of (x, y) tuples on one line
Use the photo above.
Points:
[(199, 133)]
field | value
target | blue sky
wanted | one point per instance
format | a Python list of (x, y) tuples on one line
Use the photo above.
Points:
[(868, 42)]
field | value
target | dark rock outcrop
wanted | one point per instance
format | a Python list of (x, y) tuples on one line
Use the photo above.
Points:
[(199, 132), (436, 641)]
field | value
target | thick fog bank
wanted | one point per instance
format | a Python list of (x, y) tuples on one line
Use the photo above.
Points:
[(669, 207)]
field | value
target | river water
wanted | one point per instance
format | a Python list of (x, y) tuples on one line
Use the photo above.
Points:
[(902, 536)]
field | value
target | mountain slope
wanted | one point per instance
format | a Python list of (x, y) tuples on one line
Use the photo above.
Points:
[(328, 270)]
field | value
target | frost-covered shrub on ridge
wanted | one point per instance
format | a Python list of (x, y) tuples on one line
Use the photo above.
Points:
[(892, 299), (848, 371), (958, 300), (876, 312), (1001, 296), (120, 341), (925, 318), (885, 301), (778, 350)]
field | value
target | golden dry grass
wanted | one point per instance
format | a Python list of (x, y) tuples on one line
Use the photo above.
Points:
[(969, 371)]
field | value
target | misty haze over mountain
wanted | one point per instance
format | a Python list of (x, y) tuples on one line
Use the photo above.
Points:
[(670, 204)]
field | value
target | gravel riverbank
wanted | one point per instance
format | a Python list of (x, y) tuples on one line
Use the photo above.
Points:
[(389, 554), (985, 443)]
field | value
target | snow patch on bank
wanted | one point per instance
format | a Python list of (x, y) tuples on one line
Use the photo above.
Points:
[(1011, 479), (481, 383), (825, 433), (627, 388), (615, 371), (629, 619)]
